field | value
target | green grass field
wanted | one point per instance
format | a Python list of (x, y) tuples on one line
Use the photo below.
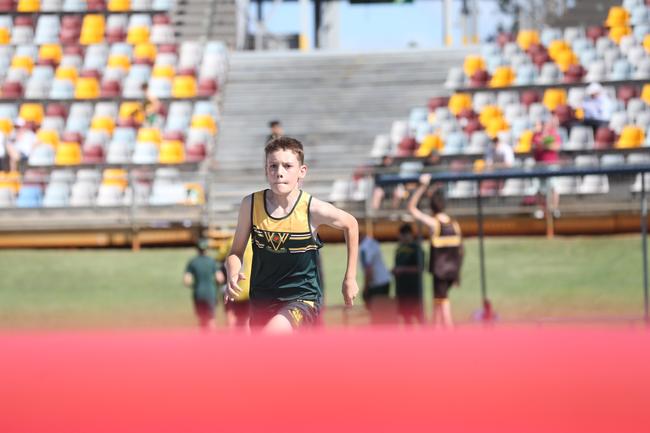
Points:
[(529, 280)]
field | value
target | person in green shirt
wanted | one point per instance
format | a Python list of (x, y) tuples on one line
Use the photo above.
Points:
[(200, 276)]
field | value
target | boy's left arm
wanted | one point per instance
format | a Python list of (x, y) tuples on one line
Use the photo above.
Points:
[(327, 214)]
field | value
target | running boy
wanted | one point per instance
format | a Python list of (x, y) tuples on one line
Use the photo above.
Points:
[(446, 250), (285, 289)]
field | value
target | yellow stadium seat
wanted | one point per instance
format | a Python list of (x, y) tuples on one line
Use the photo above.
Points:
[(617, 33), (458, 102), (138, 35), (617, 17), (478, 166), (430, 143), (163, 71), (5, 36), (553, 98), (473, 64), (496, 125), (10, 179), (645, 93), (103, 123), (68, 153), (556, 47), (525, 143), (172, 152), (66, 73), (23, 62), (92, 30), (29, 6), (631, 136), (132, 110), (119, 61), (488, 113), (51, 51), (119, 5), (49, 136), (151, 135), (32, 112), (204, 121), (646, 43), (525, 38), (503, 76), (145, 51), (86, 88), (6, 125), (565, 59), (184, 86), (116, 177)]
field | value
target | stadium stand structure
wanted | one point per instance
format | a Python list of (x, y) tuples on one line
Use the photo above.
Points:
[(122, 113), (517, 81)]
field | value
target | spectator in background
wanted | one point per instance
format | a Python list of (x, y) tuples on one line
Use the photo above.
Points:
[(597, 106), (152, 108), (546, 147), (408, 276), (376, 284), (21, 146), (276, 130), (500, 154), (201, 274), (446, 257)]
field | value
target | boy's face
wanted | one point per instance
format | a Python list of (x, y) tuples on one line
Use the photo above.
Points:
[(284, 171)]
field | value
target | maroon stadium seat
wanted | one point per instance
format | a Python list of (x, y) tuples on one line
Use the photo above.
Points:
[(472, 125), (207, 87), (604, 138), (93, 154), (115, 34), (12, 89), (529, 97), (73, 50), (110, 89), (47, 62), (467, 113), (407, 146), (595, 32), (91, 73), (24, 20), (574, 74), (480, 78), (161, 19), (437, 102), (174, 135), (96, 5), (564, 114), (7, 5), (627, 92), (74, 137), (168, 48), (195, 153), (128, 122), (540, 58), (186, 72), (56, 110)]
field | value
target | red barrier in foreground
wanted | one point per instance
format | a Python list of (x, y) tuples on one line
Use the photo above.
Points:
[(478, 380)]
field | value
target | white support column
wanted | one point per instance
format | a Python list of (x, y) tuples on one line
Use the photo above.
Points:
[(448, 24), (329, 32)]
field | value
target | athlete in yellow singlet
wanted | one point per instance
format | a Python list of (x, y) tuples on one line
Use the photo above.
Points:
[(282, 221)]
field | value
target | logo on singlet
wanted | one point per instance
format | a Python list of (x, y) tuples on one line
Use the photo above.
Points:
[(276, 240)]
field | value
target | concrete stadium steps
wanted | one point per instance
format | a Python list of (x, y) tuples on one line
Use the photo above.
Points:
[(334, 102), (206, 20)]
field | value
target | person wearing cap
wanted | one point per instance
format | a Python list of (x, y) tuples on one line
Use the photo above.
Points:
[(597, 106), (201, 276)]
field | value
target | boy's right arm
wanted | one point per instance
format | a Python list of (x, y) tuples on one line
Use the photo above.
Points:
[(234, 259), (415, 199)]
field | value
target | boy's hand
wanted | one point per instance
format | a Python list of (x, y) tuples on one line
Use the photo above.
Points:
[(350, 291), (233, 290), (425, 179)]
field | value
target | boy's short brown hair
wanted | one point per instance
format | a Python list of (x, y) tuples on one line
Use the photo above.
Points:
[(285, 143)]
